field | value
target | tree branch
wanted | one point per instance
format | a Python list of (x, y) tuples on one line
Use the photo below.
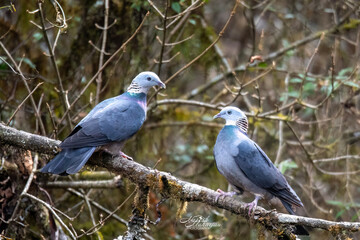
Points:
[(172, 187)]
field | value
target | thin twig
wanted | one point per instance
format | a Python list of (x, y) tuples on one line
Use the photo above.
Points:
[(309, 64), (103, 49), (97, 205), (53, 61), (203, 52), (345, 157), (183, 124), (108, 216), (164, 37), (53, 212), (20, 105), (113, 183), (36, 110), (52, 120), (86, 198), (156, 9), (26, 188), (281, 123), (274, 55)]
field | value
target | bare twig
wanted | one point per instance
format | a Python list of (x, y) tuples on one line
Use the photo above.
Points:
[(20, 105), (102, 51), (274, 55), (281, 123), (309, 64), (52, 120), (183, 124), (163, 38), (37, 112), (53, 212), (113, 183), (53, 61), (203, 52), (86, 198), (97, 205), (156, 9), (356, 157), (26, 188)]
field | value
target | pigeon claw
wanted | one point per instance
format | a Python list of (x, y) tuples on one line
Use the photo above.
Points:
[(222, 193), (252, 205), (123, 155)]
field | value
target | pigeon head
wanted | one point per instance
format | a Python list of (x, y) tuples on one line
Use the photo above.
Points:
[(144, 81), (234, 116)]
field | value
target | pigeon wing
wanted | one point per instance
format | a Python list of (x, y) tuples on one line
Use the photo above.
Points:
[(117, 121), (259, 169)]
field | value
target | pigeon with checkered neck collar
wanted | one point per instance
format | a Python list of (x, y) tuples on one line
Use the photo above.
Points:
[(246, 166), (107, 126)]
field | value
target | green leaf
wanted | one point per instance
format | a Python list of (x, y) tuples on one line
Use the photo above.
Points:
[(136, 6), (309, 87), (207, 118), (263, 65), (176, 7), (192, 21), (37, 36), (336, 203), (341, 77), (353, 23), (344, 71), (341, 212), (294, 94), (336, 84), (28, 62), (295, 80), (287, 164), (202, 148), (351, 84), (310, 79), (354, 218), (209, 157)]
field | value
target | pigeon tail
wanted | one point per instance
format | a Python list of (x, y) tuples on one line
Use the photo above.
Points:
[(69, 161), (299, 230)]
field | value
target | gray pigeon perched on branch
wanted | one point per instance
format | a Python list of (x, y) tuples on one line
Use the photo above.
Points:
[(246, 166), (109, 124)]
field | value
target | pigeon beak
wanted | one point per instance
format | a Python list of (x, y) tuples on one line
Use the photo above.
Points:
[(219, 115), (161, 84)]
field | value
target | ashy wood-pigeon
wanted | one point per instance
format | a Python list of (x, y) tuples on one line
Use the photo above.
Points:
[(108, 125), (246, 166)]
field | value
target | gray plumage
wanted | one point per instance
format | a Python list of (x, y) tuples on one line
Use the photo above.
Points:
[(246, 166), (109, 124)]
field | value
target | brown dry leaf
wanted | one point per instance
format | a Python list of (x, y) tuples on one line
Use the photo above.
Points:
[(256, 57), (24, 162), (28, 161)]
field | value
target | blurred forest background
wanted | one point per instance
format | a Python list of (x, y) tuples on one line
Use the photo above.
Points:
[(292, 66)]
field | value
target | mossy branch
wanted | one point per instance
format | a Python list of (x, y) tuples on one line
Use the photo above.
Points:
[(172, 187)]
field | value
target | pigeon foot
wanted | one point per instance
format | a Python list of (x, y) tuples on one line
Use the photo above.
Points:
[(123, 155), (252, 205), (222, 193)]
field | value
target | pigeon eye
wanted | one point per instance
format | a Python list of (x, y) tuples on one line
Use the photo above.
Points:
[(229, 112), (148, 78)]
